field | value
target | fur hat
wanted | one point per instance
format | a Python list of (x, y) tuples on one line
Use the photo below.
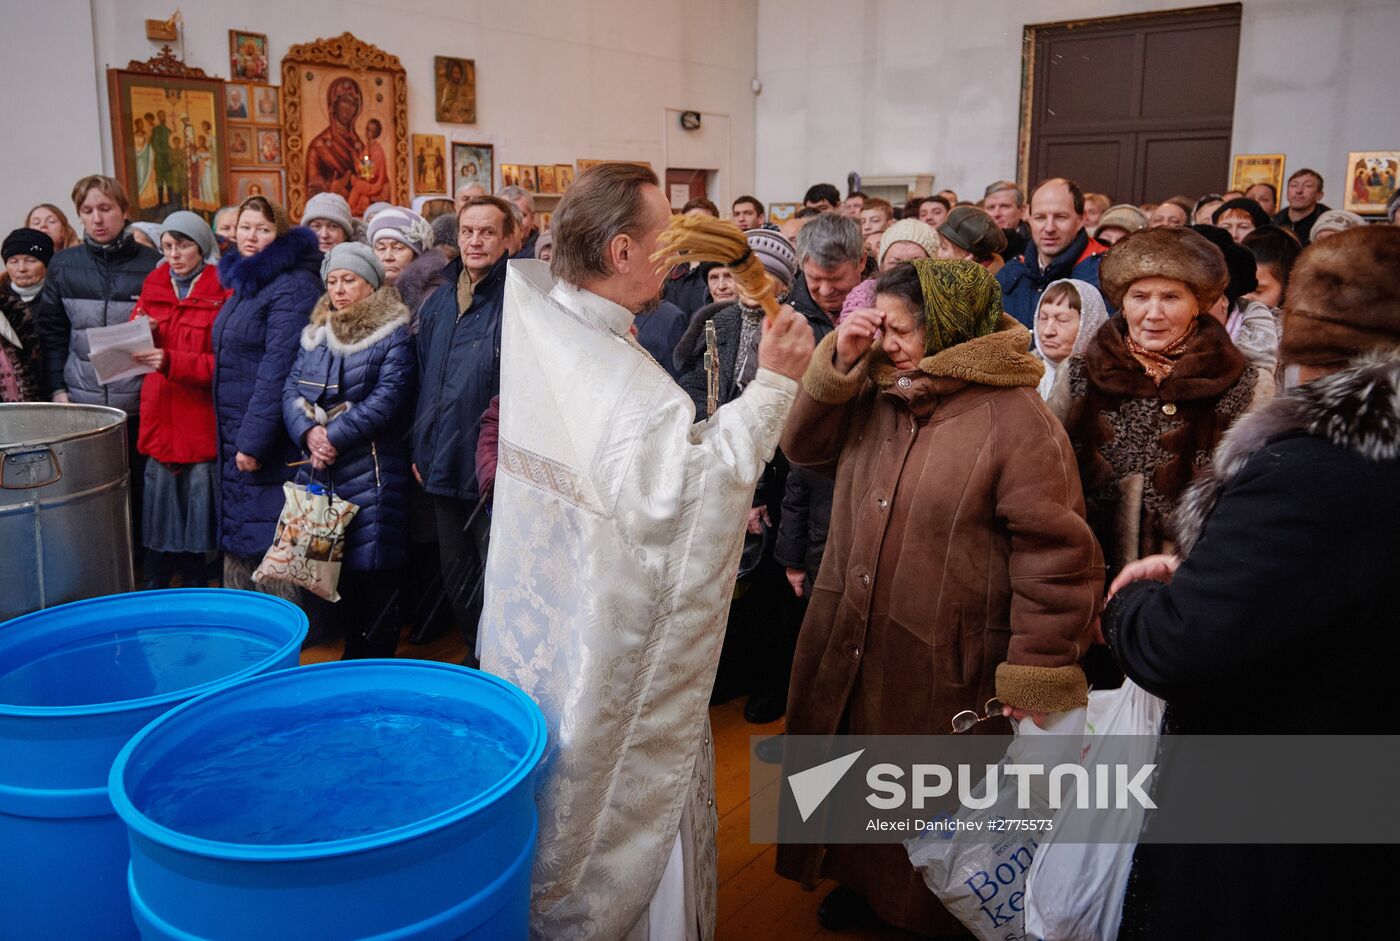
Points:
[(1165, 252), (1239, 261), (332, 208), (909, 230), (1123, 216), (281, 222), (1343, 298)]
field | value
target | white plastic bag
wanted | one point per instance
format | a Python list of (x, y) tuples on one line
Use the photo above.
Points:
[(1074, 891), (983, 882)]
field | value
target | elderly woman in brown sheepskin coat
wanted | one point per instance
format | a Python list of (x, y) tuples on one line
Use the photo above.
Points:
[(1146, 403), (958, 564)]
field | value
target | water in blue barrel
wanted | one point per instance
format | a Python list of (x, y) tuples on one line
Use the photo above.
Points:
[(361, 799), (77, 681)]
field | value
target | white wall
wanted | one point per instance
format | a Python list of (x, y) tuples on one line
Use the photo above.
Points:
[(556, 79), (50, 108), (890, 87)]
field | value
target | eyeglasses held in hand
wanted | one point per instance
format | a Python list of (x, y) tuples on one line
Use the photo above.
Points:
[(967, 720)]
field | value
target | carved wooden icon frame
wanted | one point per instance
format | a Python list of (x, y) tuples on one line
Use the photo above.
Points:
[(384, 93)]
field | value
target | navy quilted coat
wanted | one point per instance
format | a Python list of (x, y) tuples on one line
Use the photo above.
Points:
[(459, 352), (357, 373), (256, 338)]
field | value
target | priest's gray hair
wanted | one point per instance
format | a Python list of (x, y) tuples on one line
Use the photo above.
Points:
[(518, 194), (829, 240), (603, 203)]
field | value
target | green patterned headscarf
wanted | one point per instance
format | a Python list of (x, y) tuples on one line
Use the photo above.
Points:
[(962, 301)]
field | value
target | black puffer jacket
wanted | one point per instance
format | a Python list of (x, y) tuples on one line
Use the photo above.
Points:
[(90, 285)]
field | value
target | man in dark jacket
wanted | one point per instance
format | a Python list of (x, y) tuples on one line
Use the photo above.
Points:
[(459, 359), (688, 287), (95, 284), (660, 332), (1060, 248), (1304, 204)]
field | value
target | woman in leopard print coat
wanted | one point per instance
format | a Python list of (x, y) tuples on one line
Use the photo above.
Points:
[(1147, 402)]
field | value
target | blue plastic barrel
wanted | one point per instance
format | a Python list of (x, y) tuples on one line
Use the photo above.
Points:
[(77, 681), (362, 799)]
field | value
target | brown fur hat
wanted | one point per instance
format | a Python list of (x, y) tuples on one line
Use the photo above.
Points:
[(1164, 252), (1343, 298)]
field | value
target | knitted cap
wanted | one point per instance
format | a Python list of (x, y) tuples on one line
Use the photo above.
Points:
[(374, 209), (1123, 216), (192, 227), (281, 222), (1335, 220), (962, 301), (30, 242), (908, 230), (332, 208), (403, 226), (1343, 298), (973, 230), (355, 257), (150, 229), (776, 253)]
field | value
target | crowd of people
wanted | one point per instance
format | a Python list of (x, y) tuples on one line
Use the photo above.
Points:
[(1016, 407)]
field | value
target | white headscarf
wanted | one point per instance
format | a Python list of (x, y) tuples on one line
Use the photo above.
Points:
[(1093, 314)]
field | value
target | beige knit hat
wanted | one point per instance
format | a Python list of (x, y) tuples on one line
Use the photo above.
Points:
[(1123, 216), (909, 230)]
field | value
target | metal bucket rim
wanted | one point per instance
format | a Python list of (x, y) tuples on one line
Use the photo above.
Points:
[(120, 416), (141, 825), (174, 696)]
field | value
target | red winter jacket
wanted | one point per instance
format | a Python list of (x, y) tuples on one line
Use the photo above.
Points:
[(177, 406)]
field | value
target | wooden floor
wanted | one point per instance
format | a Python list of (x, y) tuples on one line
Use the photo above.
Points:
[(754, 902)]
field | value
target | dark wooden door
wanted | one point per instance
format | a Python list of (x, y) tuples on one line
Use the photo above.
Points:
[(684, 185), (1140, 107)]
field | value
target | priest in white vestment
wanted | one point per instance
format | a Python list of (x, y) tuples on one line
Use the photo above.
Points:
[(616, 532)]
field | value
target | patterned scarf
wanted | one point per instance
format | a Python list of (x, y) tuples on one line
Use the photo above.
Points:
[(1159, 366), (962, 301)]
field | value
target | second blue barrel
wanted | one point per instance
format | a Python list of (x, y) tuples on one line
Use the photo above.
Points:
[(77, 681), (361, 799)]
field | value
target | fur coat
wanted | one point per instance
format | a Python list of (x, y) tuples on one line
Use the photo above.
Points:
[(1280, 620), (1139, 445)]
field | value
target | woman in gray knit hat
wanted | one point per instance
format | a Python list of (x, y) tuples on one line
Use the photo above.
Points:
[(347, 403)]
